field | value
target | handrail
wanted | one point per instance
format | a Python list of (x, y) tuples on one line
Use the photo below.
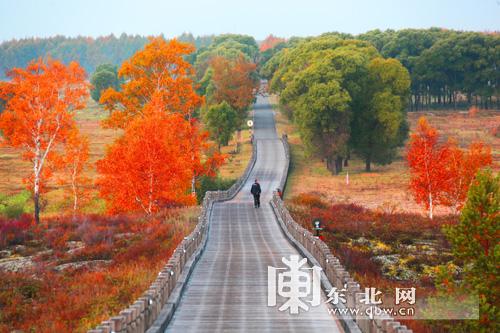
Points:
[(337, 276)]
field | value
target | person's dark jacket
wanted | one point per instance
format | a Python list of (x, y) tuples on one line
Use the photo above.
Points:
[(255, 189)]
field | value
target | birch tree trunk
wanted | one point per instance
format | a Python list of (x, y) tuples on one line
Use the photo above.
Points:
[(36, 180), (431, 208)]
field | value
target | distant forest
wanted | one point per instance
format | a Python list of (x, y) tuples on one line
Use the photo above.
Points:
[(89, 52), (447, 68)]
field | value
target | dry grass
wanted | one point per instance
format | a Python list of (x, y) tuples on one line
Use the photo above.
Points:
[(386, 187), (464, 128), (236, 162)]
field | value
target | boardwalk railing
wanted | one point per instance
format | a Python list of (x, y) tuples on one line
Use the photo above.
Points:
[(337, 276), (143, 315)]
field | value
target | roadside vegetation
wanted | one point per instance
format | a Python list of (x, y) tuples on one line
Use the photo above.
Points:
[(446, 256), (67, 275), (406, 197), (118, 178), (384, 187)]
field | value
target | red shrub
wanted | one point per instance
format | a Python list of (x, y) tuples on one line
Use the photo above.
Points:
[(101, 251), (309, 200), (351, 220), (157, 243), (496, 131), (358, 260), (473, 111), (15, 231), (138, 248)]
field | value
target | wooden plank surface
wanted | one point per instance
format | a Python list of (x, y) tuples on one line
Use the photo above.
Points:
[(227, 291)]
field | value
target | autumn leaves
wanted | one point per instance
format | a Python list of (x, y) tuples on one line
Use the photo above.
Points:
[(228, 80), (155, 162), (39, 117), (163, 151), (157, 80), (441, 172)]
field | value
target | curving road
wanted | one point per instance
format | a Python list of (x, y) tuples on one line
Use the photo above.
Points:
[(227, 290)]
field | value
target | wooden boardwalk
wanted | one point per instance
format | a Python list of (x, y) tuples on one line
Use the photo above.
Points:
[(227, 291)]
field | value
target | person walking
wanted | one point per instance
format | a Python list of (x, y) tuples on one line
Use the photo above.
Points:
[(280, 194), (256, 194)]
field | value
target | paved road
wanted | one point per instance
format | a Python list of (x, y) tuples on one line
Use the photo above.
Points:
[(227, 291)]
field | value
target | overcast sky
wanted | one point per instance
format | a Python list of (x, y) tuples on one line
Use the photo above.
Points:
[(42, 18)]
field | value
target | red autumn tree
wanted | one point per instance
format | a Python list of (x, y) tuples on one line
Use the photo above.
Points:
[(270, 42), (158, 70), (462, 167), (163, 150), (427, 159), (156, 162), (39, 113), (148, 167), (233, 81), (74, 163), (441, 173)]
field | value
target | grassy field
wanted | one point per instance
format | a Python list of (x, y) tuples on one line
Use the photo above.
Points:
[(236, 163), (386, 187)]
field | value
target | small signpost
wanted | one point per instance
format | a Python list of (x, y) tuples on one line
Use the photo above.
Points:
[(317, 226), (250, 124)]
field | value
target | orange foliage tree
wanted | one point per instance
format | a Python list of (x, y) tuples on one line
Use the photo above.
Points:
[(441, 172), (233, 81), (462, 167), (74, 163), (427, 161), (270, 42), (159, 83), (39, 113), (158, 71), (148, 167), (205, 159)]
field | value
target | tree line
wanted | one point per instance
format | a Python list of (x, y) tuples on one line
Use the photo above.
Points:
[(227, 77), (448, 69), (88, 52)]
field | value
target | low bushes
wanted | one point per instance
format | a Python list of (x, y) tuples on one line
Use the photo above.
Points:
[(380, 248), (95, 264), (349, 220), (16, 231), (212, 184)]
